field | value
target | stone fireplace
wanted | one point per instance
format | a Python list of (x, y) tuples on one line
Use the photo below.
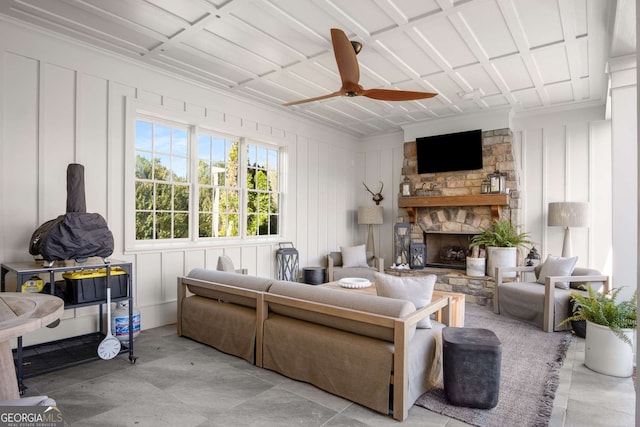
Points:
[(446, 209)]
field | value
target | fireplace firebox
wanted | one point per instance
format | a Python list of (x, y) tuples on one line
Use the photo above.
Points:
[(447, 250)]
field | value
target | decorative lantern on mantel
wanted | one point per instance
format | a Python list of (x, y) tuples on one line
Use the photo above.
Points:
[(416, 255), (405, 187), (497, 182)]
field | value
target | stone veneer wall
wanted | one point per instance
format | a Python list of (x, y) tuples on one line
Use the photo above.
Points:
[(498, 155)]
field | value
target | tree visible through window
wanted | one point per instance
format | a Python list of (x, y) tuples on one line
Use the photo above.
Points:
[(177, 194), (161, 182), (263, 204), (218, 187)]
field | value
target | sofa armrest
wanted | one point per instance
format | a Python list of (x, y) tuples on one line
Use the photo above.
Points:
[(499, 275), (329, 268), (550, 290)]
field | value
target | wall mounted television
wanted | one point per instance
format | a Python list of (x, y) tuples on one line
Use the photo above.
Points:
[(459, 151)]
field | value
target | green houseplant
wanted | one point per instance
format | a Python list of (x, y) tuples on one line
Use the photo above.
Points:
[(502, 241), (502, 234), (610, 326)]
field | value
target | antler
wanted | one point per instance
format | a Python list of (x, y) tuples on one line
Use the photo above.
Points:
[(377, 197)]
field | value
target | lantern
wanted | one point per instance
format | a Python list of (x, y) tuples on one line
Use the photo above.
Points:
[(401, 239), (287, 257), (416, 255)]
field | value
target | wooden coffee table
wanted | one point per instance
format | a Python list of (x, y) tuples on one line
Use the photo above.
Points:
[(457, 301)]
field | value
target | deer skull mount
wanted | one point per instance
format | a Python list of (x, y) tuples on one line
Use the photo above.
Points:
[(377, 197)]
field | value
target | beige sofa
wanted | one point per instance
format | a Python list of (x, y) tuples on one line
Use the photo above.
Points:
[(361, 347)]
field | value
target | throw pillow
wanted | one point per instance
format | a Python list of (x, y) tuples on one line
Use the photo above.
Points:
[(354, 256), (557, 266), (418, 290)]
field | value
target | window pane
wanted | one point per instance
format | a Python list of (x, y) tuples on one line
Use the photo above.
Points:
[(218, 150), (181, 198), (144, 225), (163, 225), (218, 173), (233, 229), (262, 157), (251, 155), (181, 226), (274, 206), (162, 139), (272, 177), (205, 202), (204, 225), (144, 136), (204, 173), (273, 160), (261, 181), (143, 165), (144, 196), (273, 224), (163, 197), (204, 147), (232, 201), (180, 169), (252, 225), (179, 142), (162, 167)]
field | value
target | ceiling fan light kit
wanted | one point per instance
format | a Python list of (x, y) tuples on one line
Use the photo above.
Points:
[(345, 52)]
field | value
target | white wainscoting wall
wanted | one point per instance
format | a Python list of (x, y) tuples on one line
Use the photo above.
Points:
[(62, 102)]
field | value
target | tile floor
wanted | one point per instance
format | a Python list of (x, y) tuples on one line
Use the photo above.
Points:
[(179, 382)]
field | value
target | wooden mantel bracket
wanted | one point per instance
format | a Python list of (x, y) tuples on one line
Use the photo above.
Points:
[(494, 201)]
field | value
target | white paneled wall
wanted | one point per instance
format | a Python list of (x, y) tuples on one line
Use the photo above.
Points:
[(64, 103), (566, 156)]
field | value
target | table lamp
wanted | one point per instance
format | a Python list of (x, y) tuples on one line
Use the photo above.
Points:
[(370, 215), (568, 214)]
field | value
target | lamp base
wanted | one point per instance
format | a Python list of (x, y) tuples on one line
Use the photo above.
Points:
[(566, 244), (370, 247)]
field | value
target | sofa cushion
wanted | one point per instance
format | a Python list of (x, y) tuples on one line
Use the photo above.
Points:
[(418, 290), (254, 283), (354, 256), (341, 298), (557, 266)]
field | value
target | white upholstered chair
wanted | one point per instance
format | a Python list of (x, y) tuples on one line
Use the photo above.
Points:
[(544, 305), (353, 262)]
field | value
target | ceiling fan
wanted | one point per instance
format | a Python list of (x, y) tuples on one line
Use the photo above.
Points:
[(345, 52)]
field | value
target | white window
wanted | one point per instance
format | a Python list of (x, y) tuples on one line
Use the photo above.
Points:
[(189, 178)]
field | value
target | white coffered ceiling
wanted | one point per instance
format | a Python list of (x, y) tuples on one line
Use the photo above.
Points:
[(477, 55)]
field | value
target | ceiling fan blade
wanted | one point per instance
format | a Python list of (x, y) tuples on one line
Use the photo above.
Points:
[(395, 95), (317, 98), (345, 59)]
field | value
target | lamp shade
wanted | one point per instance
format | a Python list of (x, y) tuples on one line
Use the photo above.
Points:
[(370, 215), (568, 214)]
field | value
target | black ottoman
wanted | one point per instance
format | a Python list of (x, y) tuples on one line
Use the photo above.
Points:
[(471, 360)]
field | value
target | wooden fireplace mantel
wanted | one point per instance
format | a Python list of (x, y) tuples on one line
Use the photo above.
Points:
[(412, 203)]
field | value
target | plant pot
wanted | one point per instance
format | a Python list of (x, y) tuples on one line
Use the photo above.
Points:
[(476, 267), (606, 353), (501, 257)]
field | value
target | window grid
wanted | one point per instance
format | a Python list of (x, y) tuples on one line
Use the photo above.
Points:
[(161, 181), (215, 199)]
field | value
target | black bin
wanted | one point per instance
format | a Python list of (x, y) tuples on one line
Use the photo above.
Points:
[(313, 275)]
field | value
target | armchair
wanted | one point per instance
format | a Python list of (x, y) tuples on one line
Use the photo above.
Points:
[(336, 269), (541, 305), (225, 263)]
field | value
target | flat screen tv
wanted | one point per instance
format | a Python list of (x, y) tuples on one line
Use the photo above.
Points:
[(460, 151)]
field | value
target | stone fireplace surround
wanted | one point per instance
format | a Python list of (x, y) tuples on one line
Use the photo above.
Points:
[(451, 203)]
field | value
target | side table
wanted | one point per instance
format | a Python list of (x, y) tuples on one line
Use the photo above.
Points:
[(21, 313)]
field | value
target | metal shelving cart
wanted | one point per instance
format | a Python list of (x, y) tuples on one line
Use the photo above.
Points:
[(54, 355)]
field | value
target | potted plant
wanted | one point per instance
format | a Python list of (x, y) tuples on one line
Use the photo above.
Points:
[(502, 242), (610, 330)]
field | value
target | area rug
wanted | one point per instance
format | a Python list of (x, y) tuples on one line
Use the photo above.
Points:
[(531, 360)]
